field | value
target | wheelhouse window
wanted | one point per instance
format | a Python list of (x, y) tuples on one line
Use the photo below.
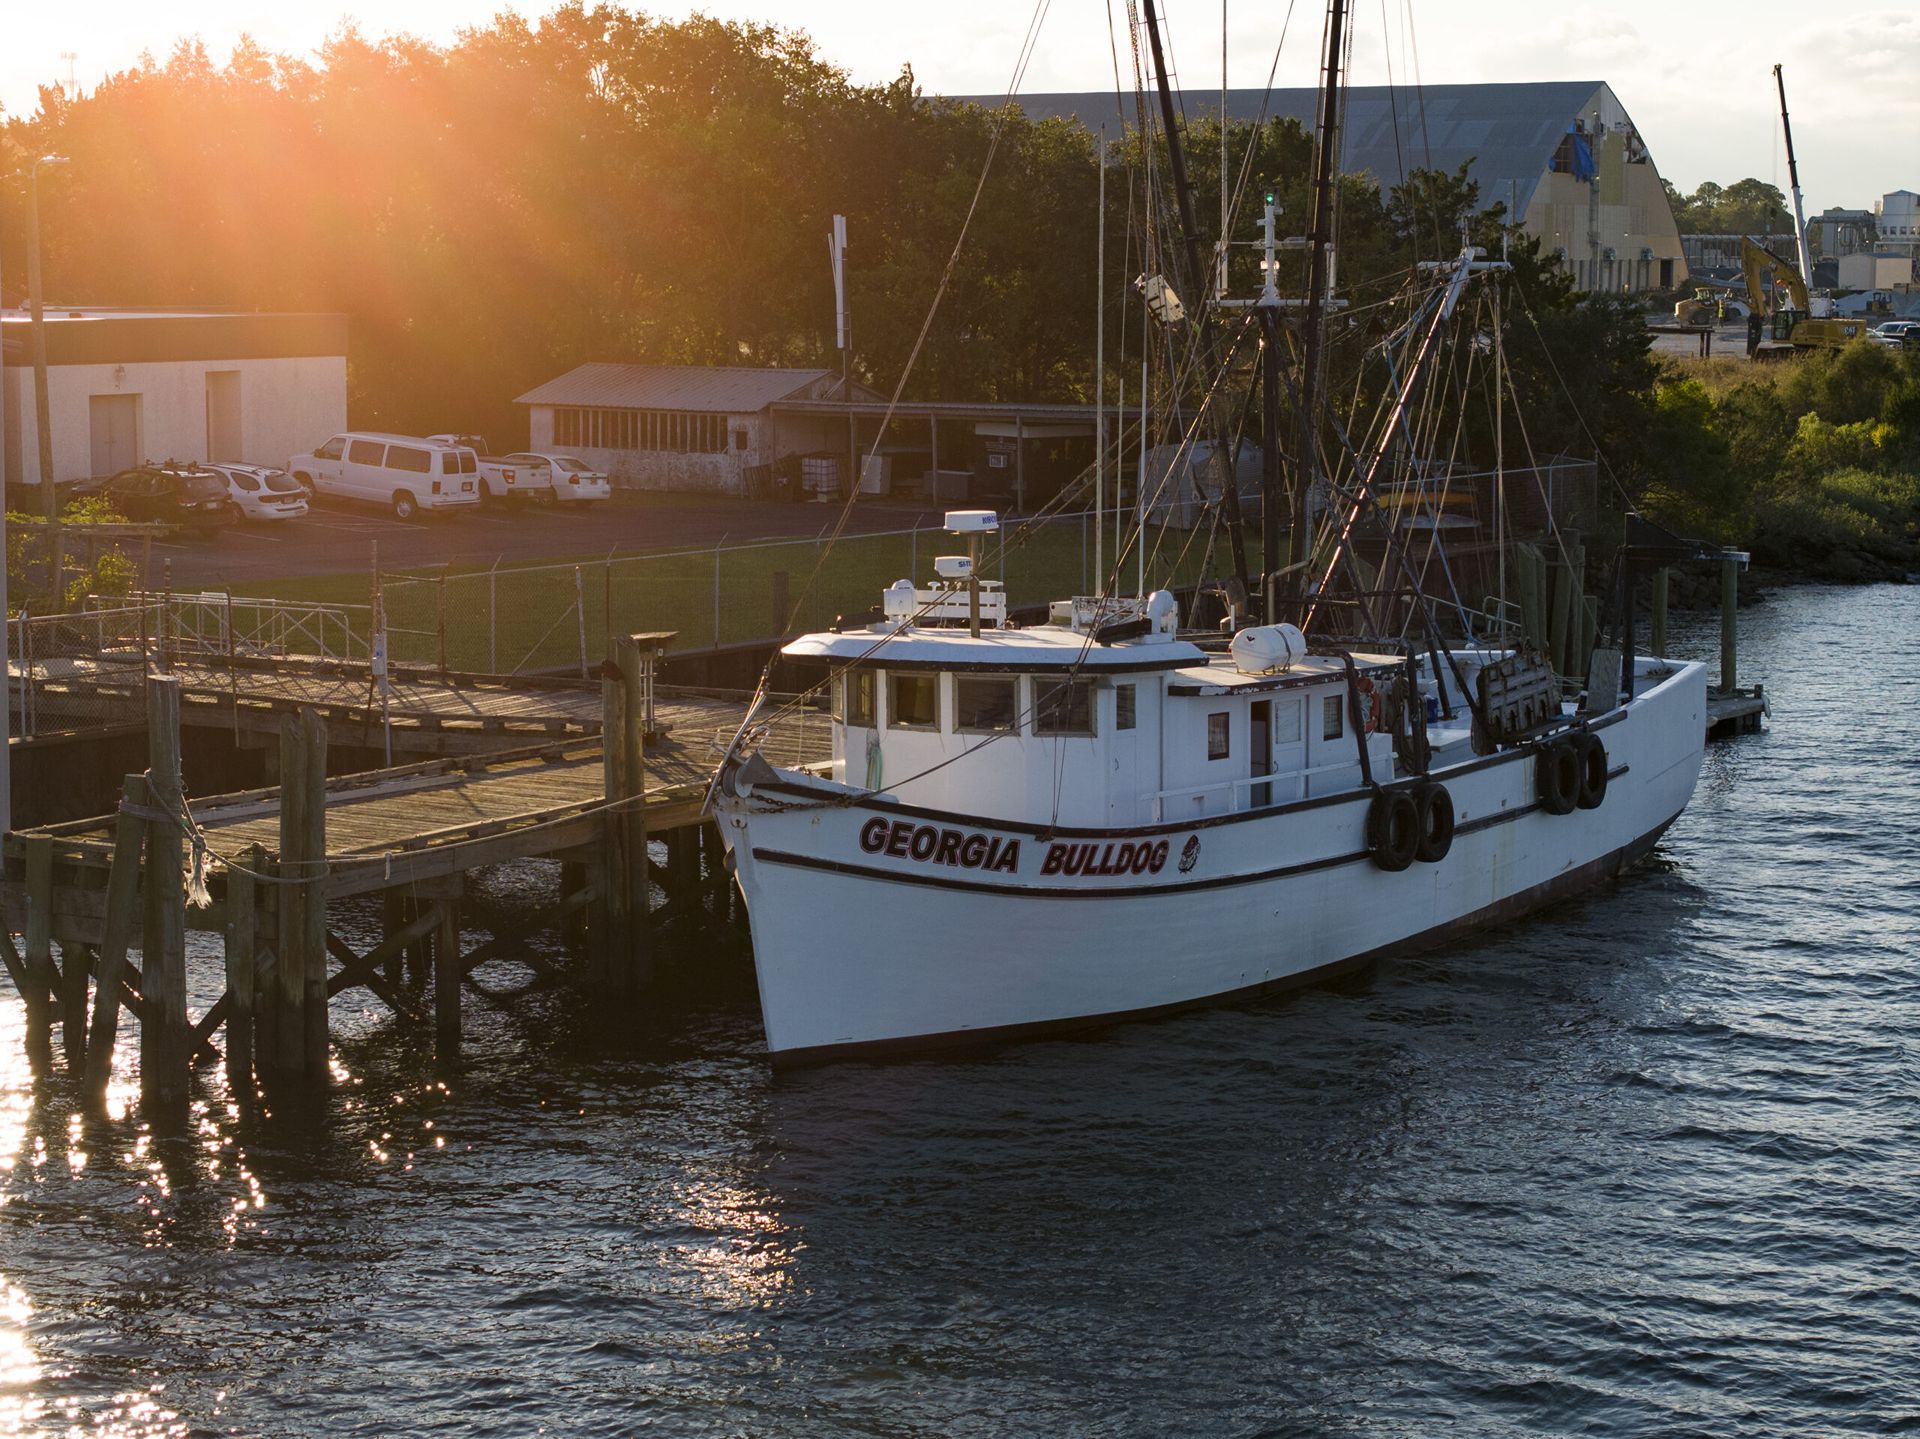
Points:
[(1124, 700), (913, 701), (986, 704), (1062, 707), (853, 698), (1218, 731), (1333, 717)]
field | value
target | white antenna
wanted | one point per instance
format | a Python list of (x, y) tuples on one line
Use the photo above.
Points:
[(73, 85), (837, 251)]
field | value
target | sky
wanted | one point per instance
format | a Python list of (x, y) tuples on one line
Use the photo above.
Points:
[(1704, 101)]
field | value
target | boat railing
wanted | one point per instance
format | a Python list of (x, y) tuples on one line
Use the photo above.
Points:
[(1293, 779)]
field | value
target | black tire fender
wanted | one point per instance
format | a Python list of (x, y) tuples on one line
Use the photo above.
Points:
[(1434, 805), (1593, 770), (1393, 829), (1556, 777)]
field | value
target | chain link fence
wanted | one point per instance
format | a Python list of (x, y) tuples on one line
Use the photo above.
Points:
[(548, 618)]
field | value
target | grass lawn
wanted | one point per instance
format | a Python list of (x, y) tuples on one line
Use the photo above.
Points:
[(529, 617)]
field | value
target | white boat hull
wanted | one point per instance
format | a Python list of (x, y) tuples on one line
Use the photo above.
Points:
[(879, 926)]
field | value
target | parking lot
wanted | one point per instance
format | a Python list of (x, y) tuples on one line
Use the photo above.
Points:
[(339, 538)]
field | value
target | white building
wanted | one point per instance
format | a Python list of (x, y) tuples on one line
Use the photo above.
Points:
[(127, 386), (684, 427)]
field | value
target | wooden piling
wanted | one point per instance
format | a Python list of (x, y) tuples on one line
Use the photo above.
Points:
[(447, 973), (620, 958), (75, 961), (1661, 583), (241, 953), (164, 1035), (300, 982), (39, 953), (1729, 624), (1557, 622), (123, 903)]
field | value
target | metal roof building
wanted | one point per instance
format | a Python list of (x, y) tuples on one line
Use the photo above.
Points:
[(685, 427), (1562, 154)]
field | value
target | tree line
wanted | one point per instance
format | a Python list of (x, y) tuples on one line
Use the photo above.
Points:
[(603, 185)]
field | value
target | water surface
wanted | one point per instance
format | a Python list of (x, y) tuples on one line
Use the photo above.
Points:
[(1648, 1165)]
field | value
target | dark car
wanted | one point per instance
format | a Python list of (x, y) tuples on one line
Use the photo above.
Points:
[(171, 494)]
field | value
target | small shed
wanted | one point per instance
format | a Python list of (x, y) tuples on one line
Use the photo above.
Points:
[(127, 386), (684, 427)]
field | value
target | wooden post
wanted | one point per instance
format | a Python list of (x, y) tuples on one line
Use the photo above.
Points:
[(1660, 586), (240, 956), (315, 916), (1729, 624), (446, 978), (1557, 622), (39, 955), (73, 1007), (123, 899), (163, 944), (300, 983)]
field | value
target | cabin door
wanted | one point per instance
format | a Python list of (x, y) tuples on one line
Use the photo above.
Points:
[(1125, 783), (1287, 748), (1260, 754)]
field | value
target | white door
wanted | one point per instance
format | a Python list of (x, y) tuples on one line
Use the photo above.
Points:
[(116, 433), (1289, 747), (223, 415), (1124, 782)]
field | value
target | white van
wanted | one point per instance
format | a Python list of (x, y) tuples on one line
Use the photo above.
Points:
[(400, 471)]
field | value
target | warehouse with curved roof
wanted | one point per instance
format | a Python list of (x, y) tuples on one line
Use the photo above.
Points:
[(1563, 155)]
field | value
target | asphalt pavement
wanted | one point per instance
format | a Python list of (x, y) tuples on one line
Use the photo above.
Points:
[(340, 539)]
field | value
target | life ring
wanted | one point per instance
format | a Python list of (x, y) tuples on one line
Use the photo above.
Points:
[(1369, 704), (1434, 806), (1593, 769), (1556, 777), (1393, 830)]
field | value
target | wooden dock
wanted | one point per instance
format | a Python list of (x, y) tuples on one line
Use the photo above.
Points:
[(421, 712), (83, 894)]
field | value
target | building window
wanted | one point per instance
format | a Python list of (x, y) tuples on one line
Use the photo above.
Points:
[(739, 439), (1123, 706), (1063, 707), (1217, 735), (913, 701), (1333, 717), (986, 704)]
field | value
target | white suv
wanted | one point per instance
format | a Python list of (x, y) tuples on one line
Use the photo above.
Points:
[(402, 472)]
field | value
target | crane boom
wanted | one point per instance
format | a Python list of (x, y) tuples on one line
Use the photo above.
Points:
[(1793, 181)]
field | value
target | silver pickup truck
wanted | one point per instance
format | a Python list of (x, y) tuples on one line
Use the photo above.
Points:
[(502, 479)]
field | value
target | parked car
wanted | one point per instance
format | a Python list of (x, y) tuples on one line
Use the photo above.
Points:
[(503, 479), (1897, 332), (573, 481), (260, 492), (169, 493), (403, 472)]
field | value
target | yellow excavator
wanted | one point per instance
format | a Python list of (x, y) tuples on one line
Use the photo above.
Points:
[(1801, 323), (1783, 317)]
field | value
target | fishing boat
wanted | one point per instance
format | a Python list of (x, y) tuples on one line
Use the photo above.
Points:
[(1127, 804)]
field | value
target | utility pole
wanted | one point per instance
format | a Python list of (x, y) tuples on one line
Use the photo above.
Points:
[(41, 419), (843, 337)]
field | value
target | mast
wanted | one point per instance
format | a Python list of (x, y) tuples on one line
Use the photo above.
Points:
[(1319, 258), (1193, 286), (1793, 181), (1100, 379)]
